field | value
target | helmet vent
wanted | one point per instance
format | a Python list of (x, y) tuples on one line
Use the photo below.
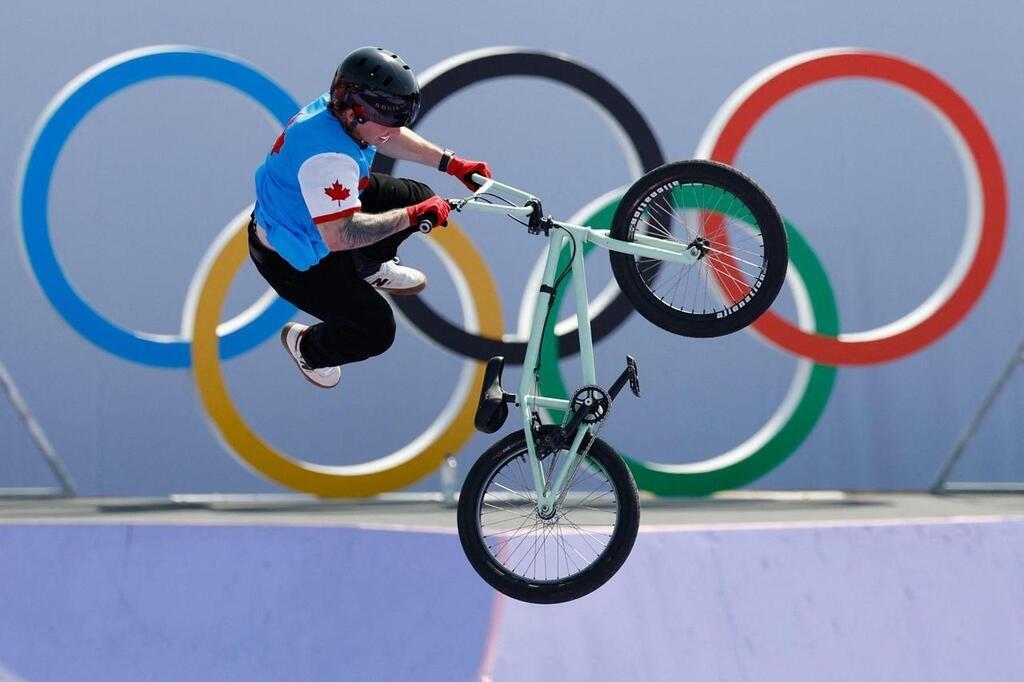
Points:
[(406, 67), (375, 70), (361, 61), (387, 81)]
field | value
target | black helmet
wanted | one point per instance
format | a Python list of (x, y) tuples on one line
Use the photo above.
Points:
[(378, 86)]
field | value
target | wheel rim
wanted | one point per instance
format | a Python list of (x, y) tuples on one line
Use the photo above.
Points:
[(720, 228), (526, 546)]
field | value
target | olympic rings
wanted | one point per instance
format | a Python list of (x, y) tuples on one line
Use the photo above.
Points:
[(986, 184), (446, 436), (815, 338), (452, 75), (791, 423), (63, 114)]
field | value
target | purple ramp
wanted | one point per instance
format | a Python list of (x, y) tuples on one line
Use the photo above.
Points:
[(92, 602), (925, 601)]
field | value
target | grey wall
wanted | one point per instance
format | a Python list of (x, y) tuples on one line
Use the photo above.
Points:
[(861, 168)]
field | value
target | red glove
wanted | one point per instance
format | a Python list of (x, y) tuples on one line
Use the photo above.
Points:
[(435, 208), (463, 169)]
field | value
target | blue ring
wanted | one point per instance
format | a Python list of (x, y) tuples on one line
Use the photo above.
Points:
[(57, 124)]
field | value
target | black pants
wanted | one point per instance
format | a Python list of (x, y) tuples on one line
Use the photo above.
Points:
[(357, 321)]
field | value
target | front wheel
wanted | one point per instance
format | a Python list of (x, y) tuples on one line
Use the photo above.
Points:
[(578, 548), (726, 222)]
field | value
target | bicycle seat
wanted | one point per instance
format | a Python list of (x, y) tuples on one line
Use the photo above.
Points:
[(492, 410)]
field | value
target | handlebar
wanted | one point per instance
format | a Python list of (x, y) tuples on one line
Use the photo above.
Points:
[(426, 224)]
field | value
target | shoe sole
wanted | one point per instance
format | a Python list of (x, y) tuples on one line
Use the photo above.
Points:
[(284, 342), (404, 292)]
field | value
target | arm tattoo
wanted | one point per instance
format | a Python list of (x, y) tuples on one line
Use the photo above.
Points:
[(363, 229)]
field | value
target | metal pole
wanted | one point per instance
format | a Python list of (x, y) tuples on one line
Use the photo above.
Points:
[(972, 427), (37, 433), (448, 481)]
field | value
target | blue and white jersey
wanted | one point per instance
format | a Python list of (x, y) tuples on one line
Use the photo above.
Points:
[(313, 174)]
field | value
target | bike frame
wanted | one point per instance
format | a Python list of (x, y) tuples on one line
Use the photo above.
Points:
[(549, 493)]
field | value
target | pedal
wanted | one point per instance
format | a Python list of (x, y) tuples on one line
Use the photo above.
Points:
[(492, 410), (634, 375)]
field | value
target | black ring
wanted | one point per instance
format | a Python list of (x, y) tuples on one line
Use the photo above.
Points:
[(562, 69)]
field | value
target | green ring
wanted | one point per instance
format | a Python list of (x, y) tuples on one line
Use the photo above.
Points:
[(704, 478)]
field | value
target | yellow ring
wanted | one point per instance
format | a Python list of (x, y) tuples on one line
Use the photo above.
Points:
[(446, 436)]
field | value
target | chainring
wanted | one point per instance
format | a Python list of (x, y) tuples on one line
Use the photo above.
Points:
[(594, 400)]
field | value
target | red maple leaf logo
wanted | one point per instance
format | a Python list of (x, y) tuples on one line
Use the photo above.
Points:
[(278, 144), (280, 138), (337, 192)]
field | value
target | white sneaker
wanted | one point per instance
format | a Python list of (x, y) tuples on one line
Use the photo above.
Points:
[(397, 279), (324, 377)]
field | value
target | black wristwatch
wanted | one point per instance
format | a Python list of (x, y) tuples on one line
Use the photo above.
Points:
[(446, 156)]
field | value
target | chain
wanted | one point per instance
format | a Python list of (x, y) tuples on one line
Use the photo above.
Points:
[(595, 421)]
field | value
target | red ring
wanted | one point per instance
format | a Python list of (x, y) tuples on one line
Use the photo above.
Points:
[(818, 68)]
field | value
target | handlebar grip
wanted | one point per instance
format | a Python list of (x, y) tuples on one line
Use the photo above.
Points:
[(426, 225)]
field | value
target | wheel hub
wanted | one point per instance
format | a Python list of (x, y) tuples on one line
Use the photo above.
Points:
[(699, 247)]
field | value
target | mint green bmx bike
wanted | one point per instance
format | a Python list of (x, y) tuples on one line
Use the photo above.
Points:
[(550, 513)]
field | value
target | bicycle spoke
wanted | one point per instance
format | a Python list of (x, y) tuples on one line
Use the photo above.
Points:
[(669, 213), (532, 534), (736, 275), (518, 494), (732, 248), (741, 283), (565, 547), (659, 230), (674, 289), (588, 497), (718, 265), (584, 534), (515, 533), (681, 273)]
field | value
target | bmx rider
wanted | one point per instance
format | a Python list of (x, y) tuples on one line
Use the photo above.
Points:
[(325, 231)]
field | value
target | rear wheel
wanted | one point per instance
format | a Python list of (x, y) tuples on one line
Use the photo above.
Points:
[(567, 555), (727, 222)]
